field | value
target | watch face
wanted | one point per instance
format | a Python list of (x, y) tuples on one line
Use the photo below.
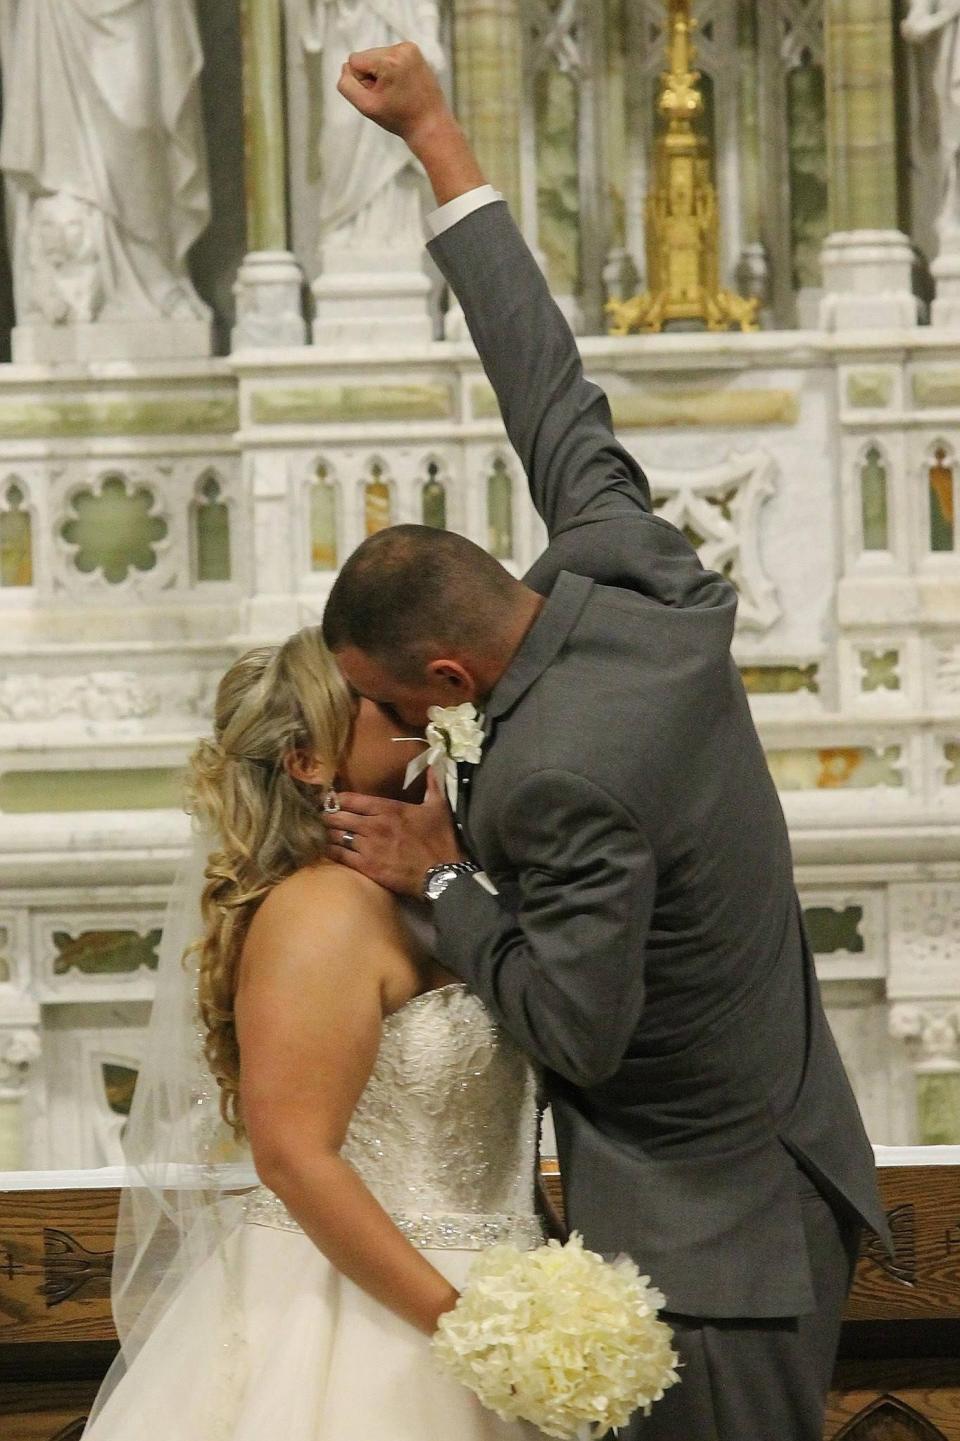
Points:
[(439, 881)]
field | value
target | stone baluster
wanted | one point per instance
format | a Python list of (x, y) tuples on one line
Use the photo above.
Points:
[(269, 284), (867, 260)]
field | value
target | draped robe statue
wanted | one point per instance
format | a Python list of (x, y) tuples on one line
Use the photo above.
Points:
[(939, 21), (370, 185), (104, 158)]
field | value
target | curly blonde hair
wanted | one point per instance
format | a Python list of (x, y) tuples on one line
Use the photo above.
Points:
[(272, 701)]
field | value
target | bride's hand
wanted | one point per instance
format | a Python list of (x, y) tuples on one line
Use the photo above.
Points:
[(393, 842)]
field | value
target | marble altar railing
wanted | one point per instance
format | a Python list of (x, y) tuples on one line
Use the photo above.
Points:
[(897, 1373)]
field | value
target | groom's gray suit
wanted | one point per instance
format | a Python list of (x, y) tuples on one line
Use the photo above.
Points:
[(647, 945)]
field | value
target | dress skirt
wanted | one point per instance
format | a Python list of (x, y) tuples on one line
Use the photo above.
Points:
[(269, 1340)]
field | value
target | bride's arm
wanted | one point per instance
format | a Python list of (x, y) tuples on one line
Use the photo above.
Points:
[(309, 1014)]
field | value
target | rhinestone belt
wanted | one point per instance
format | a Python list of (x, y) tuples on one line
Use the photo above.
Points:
[(430, 1231)]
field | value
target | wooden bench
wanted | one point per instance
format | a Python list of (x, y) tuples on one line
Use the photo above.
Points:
[(898, 1378)]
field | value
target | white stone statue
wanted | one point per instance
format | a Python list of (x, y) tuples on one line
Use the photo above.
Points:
[(104, 159), (371, 188), (940, 19)]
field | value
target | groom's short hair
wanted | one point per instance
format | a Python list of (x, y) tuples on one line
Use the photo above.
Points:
[(410, 593)]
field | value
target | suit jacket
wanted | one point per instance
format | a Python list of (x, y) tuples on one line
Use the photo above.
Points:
[(647, 946)]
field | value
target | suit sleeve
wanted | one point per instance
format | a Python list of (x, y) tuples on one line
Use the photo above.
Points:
[(564, 971), (558, 422)]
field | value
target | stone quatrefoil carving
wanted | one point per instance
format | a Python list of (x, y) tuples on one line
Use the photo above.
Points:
[(718, 509)]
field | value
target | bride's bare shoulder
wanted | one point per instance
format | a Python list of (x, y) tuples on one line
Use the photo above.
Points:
[(325, 901)]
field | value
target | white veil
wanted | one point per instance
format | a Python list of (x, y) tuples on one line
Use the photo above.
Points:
[(182, 1200)]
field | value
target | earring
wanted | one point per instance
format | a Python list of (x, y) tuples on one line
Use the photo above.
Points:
[(330, 803)]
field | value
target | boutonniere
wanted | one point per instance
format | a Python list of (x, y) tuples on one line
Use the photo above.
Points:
[(454, 733)]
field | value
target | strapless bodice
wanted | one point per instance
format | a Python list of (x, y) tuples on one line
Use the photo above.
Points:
[(445, 1133)]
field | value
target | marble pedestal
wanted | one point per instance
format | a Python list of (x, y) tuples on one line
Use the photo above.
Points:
[(375, 297), (945, 310), (268, 291), (867, 281)]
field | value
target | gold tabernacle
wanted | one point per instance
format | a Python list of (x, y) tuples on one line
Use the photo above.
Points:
[(682, 228)]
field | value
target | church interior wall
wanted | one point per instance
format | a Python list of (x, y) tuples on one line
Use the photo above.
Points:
[(160, 513)]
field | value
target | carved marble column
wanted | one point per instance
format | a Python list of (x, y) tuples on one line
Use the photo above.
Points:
[(488, 84), (488, 92), (923, 985), (753, 267), (269, 283), (867, 260)]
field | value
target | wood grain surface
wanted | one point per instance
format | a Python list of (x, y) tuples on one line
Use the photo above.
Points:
[(56, 1251)]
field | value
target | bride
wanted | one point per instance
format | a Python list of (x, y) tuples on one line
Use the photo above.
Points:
[(391, 1124)]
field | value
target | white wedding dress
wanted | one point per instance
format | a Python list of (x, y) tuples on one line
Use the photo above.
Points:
[(445, 1135)]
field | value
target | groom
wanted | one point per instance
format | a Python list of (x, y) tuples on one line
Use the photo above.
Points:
[(645, 943)]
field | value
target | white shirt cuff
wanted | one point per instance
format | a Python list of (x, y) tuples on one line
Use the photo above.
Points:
[(458, 209)]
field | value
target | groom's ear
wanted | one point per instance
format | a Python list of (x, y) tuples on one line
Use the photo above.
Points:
[(454, 677), (305, 766)]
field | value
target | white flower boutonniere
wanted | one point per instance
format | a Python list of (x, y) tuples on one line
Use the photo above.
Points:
[(454, 733)]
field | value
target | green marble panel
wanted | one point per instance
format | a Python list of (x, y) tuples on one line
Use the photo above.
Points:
[(119, 1084), (483, 402), (942, 496), (104, 953), (434, 503), (636, 409), (212, 520), (835, 768), (114, 531), (938, 1104), (16, 540), (952, 752), (807, 165), (323, 522), (879, 670), (831, 930), (76, 419), (780, 679), (556, 109), (936, 388), (500, 511), (6, 966), (346, 404), (149, 789), (869, 389), (377, 504), (873, 501)]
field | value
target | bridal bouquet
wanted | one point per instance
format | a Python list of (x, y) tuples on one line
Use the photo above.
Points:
[(560, 1338)]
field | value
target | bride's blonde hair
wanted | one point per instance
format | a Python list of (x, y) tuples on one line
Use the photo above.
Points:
[(271, 702)]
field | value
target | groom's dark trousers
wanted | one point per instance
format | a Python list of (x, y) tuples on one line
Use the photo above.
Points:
[(647, 946)]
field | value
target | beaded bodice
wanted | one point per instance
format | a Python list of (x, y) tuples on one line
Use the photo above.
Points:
[(445, 1132)]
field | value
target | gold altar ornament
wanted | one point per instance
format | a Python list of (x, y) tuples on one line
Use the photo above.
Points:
[(682, 225)]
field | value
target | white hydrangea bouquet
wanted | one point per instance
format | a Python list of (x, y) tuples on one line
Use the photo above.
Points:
[(560, 1338)]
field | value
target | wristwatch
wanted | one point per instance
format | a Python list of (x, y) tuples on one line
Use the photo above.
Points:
[(439, 877)]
